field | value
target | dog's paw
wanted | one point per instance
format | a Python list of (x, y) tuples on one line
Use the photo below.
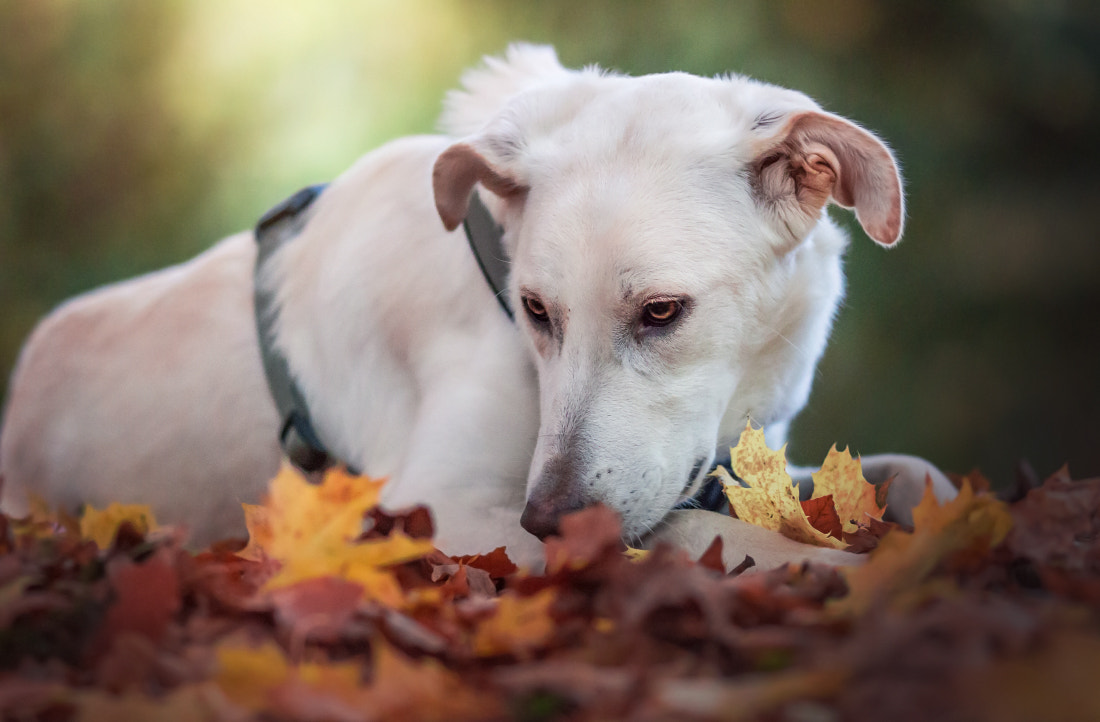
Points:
[(909, 474), (693, 530)]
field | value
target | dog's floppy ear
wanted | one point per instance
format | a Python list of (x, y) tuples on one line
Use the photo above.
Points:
[(456, 172), (818, 156)]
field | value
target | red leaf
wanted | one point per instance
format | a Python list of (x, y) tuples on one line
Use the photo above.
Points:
[(317, 608), (495, 562), (586, 536), (822, 515), (867, 537), (147, 597)]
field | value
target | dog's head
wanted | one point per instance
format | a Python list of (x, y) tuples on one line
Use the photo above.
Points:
[(673, 269)]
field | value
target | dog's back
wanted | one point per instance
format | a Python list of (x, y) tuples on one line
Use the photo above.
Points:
[(154, 383)]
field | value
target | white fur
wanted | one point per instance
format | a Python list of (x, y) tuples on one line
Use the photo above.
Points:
[(614, 191)]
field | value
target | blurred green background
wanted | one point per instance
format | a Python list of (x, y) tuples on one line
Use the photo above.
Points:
[(133, 134)]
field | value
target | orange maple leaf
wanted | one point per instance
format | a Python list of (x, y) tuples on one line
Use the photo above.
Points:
[(312, 531)]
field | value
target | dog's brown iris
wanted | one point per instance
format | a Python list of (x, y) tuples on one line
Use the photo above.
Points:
[(535, 309), (661, 312)]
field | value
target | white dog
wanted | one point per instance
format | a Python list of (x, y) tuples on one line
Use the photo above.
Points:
[(673, 273)]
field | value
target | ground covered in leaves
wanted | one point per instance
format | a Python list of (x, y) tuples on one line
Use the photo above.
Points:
[(987, 609)]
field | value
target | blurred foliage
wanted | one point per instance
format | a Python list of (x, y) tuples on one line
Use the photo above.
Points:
[(133, 134)]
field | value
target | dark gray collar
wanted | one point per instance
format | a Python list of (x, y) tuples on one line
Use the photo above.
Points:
[(299, 439), (485, 237)]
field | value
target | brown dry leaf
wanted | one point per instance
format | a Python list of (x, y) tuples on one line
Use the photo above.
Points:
[(586, 537), (422, 691), (496, 563), (519, 626), (191, 703), (312, 531), (901, 562), (147, 597), (316, 608), (748, 698), (101, 526), (1058, 682)]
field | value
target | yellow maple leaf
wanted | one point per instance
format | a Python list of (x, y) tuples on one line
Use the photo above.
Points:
[(101, 526), (903, 560), (519, 626), (311, 530), (771, 499), (853, 497)]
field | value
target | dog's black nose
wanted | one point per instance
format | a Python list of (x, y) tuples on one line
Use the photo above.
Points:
[(555, 494), (540, 519)]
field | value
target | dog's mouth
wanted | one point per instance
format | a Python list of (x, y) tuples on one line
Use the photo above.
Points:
[(696, 483)]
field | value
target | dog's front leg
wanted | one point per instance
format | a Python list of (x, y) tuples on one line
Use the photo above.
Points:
[(468, 455), (693, 530), (908, 475)]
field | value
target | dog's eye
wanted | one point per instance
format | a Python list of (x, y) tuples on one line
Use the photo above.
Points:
[(661, 312), (535, 309)]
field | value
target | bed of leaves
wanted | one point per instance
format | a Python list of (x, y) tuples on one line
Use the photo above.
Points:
[(986, 609)]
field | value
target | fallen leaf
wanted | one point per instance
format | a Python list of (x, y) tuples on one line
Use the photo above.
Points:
[(771, 499), (252, 676), (101, 526), (823, 516), (313, 531), (519, 626), (968, 523), (43, 522), (854, 498), (147, 597), (297, 513), (195, 703), (402, 689), (749, 698), (317, 608), (496, 563), (585, 537), (1056, 682)]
